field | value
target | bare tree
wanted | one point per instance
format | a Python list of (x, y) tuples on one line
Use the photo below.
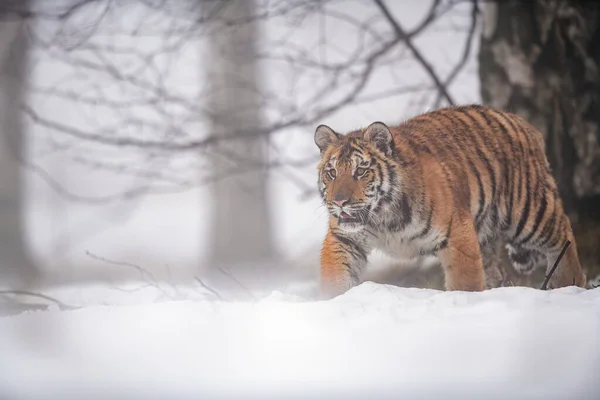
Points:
[(541, 59), (16, 264), (241, 226)]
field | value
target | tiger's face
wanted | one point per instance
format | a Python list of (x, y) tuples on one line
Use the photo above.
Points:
[(353, 177)]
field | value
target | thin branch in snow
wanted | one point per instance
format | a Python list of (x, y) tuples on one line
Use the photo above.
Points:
[(60, 304), (145, 274), (208, 288), (562, 253), (240, 284)]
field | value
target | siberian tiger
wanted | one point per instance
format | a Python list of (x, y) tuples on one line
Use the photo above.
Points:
[(448, 183)]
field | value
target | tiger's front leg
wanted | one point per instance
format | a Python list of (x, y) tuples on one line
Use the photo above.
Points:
[(461, 257), (343, 258)]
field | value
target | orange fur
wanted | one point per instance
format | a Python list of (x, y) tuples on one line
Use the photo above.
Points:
[(449, 183)]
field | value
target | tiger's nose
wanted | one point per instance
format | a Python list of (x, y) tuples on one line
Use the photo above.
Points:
[(341, 200)]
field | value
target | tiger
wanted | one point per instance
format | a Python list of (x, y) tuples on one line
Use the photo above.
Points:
[(448, 183)]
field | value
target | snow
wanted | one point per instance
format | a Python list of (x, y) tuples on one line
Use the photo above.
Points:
[(375, 341)]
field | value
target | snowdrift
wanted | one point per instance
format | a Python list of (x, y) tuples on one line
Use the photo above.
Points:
[(374, 342)]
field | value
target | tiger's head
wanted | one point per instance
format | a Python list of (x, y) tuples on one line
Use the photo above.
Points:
[(354, 174)]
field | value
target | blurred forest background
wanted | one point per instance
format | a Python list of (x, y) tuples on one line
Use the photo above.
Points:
[(175, 137)]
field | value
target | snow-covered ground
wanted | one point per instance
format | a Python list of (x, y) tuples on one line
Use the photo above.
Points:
[(374, 342)]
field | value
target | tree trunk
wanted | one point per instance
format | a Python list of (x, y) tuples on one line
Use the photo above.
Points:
[(540, 59), (241, 231), (16, 265)]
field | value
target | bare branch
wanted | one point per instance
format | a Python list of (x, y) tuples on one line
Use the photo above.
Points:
[(144, 273), (208, 288), (466, 52), (65, 11), (240, 284), (402, 35)]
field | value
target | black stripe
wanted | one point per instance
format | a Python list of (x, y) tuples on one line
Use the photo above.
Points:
[(510, 123), (491, 172), (352, 247), (522, 159), (350, 271), (548, 229), (440, 245), (454, 121), (523, 180), (449, 227), (481, 190), (403, 216), (458, 152), (380, 171), (387, 197), (525, 211), (556, 242), (538, 218), (527, 167), (405, 209), (483, 113), (510, 183), (391, 174), (344, 240), (439, 148), (505, 166), (494, 215), (357, 150), (349, 147), (485, 137), (390, 171), (417, 147), (425, 231), (488, 164), (558, 235)]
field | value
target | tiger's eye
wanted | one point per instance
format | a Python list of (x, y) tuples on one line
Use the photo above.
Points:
[(360, 171), (331, 173)]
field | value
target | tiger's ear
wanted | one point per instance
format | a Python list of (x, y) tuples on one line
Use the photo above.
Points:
[(380, 135), (325, 137)]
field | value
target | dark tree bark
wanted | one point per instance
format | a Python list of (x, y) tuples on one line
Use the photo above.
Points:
[(16, 265), (540, 59)]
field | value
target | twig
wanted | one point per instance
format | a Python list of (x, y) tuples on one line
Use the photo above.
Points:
[(145, 274), (60, 304), (562, 252), (240, 284), (208, 288), (403, 35)]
